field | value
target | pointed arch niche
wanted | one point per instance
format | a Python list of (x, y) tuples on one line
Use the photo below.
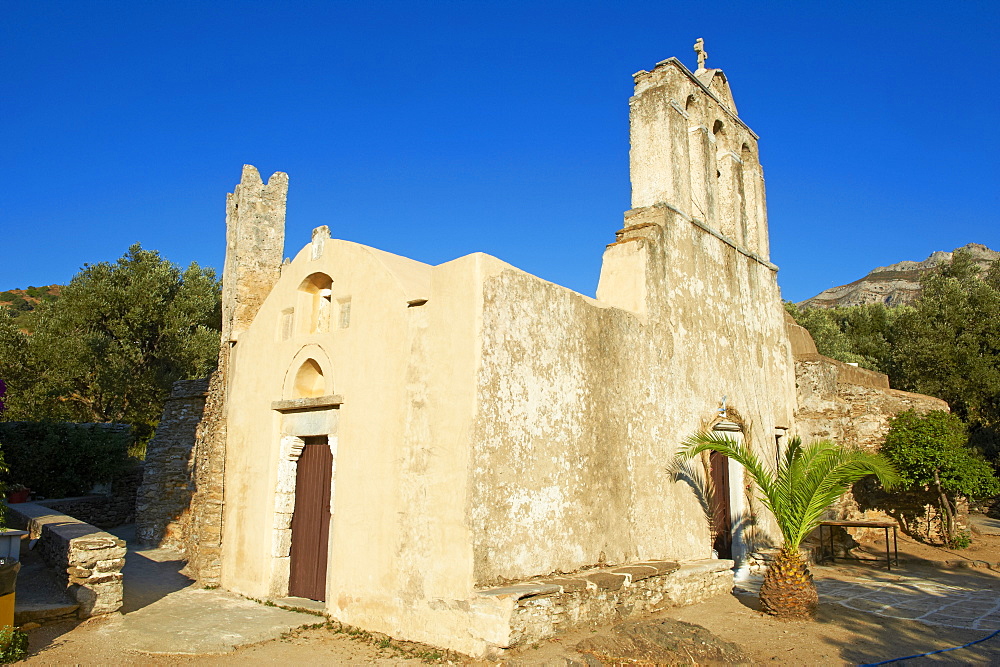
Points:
[(309, 380), (309, 417)]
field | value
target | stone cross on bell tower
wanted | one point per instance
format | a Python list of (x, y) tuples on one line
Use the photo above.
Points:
[(699, 48)]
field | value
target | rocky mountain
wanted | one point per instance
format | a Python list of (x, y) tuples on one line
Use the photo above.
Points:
[(894, 284)]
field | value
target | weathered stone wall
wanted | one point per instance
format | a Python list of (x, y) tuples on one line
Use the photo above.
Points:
[(255, 240), (203, 528), (88, 560), (918, 512), (836, 402), (163, 499)]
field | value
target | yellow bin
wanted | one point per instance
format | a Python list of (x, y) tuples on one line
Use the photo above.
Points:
[(7, 610), (8, 579)]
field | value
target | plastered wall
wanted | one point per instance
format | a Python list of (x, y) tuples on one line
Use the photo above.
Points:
[(582, 406)]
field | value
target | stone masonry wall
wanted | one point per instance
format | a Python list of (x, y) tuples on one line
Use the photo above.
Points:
[(163, 499), (834, 405), (203, 535), (854, 406), (917, 512), (552, 605), (88, 560)]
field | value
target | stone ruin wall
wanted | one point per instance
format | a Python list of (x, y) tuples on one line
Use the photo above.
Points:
[(162, 501), (255, 240), (202, 540)]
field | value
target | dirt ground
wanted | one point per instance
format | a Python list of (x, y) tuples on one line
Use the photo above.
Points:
[(724, 630)]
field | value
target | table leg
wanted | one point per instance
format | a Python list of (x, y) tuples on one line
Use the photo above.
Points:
[(888, 563)]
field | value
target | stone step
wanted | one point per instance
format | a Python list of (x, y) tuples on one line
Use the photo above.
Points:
[(41, 612), (300, 604)]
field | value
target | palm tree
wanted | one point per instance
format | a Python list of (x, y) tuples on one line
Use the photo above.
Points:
[(806, 481)]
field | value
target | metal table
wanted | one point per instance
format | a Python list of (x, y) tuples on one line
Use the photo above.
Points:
[(886, 525)]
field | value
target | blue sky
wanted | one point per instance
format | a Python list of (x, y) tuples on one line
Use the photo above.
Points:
[(436, 129)]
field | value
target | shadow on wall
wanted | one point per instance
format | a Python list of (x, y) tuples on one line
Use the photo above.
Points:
[(694, 473)]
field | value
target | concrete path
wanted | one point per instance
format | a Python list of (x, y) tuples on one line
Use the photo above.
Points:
[(985, 524), (910, 597), (164, 612), (196, 621)]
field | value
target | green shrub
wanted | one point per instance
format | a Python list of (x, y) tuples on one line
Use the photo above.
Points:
[(961, 541), (15, 644), (61, 459)]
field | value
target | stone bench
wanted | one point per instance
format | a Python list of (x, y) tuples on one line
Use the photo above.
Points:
[(88, 560), (547, 606)]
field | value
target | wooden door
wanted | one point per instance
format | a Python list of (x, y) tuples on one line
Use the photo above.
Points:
[(311, 521), (722, 540)]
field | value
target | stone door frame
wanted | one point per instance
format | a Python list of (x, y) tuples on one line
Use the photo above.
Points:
[(739, 512), (320, 420)]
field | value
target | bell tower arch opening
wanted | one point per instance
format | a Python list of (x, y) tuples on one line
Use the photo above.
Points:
[(315, 302)]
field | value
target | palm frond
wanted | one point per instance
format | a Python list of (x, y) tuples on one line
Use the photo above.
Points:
[(737, 450), (804, 483)]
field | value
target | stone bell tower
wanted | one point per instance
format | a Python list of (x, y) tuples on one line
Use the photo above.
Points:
[(691, 152), (693, 162)]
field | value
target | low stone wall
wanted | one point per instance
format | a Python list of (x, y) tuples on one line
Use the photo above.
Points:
[(842, 403), (551, 605), (102, 511), (917, 512), (86, 558)]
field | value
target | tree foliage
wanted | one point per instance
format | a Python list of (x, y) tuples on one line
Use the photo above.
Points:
[(110, 347), (930, 450), (949, 345), (864, 334), (59, 459)]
